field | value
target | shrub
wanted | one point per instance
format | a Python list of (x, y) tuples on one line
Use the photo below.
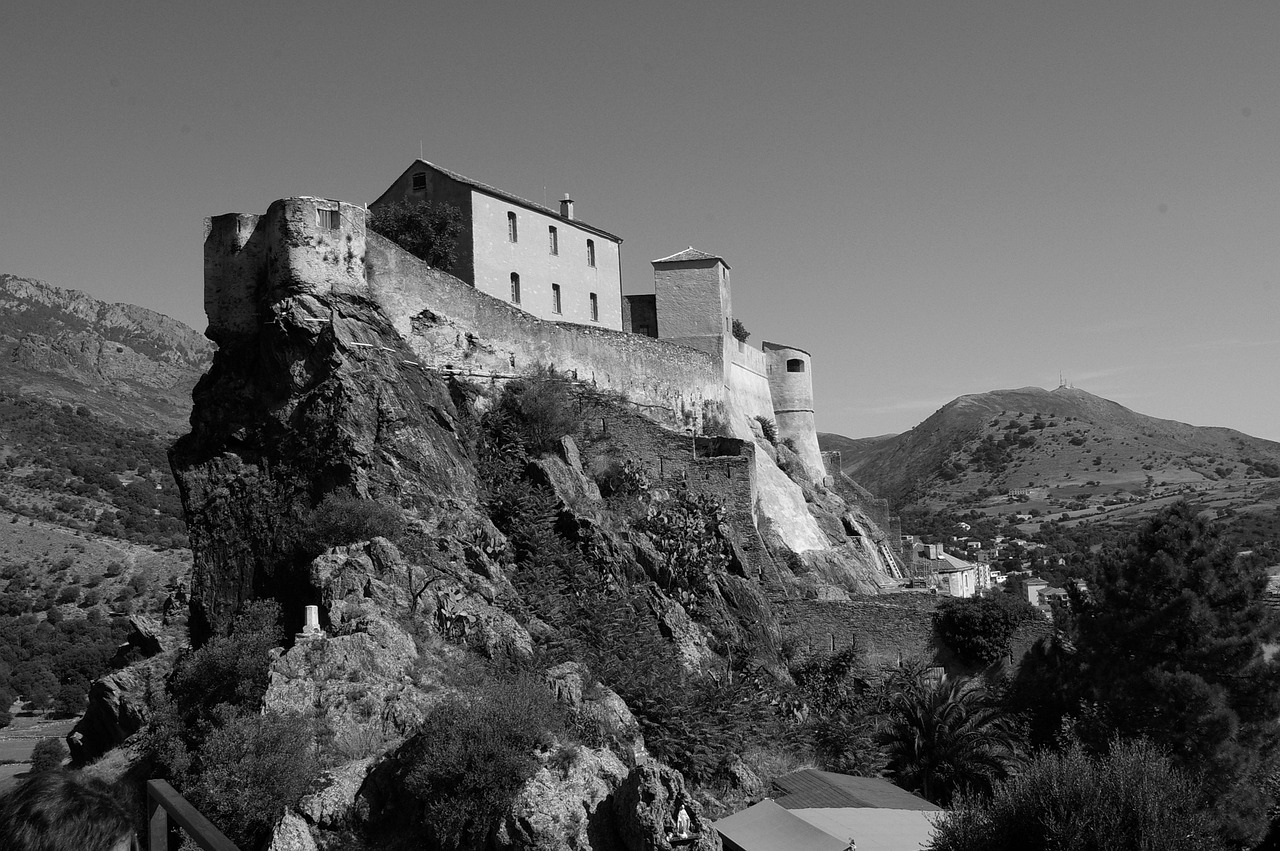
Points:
[(474, 752), (48, 755), (768, 428), (428, 231), (740, 332), (1130, 798), (228, 672), (535, 411), (250, 770), (978, 630), (343, 518), (686, 530), (714, 424)]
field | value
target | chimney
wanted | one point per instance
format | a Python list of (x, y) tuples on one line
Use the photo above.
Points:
[(566, 207)]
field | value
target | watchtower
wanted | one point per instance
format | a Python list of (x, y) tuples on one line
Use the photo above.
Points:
[(791, 386)]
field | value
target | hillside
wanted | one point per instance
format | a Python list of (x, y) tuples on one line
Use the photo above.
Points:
[(125, 363), (1064, 450), (91, 530)]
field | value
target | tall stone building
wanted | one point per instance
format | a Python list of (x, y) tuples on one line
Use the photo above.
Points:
[(545, 262)]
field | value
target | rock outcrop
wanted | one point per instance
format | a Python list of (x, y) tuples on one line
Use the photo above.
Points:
[(316, 394)]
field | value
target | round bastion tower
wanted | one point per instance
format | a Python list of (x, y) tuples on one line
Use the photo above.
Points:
[(791, 386)]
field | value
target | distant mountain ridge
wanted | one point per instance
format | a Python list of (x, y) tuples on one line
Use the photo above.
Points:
[(1065, 442), (122, 361)]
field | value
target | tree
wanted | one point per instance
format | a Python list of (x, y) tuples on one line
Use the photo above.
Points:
[(1168, 645), (428, 231), (740, 332), (834, 714), (1130, 799), (48, 755), (978, 630), (947, 738)]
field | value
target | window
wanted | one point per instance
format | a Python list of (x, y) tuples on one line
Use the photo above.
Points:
[(512, 235), (595, 308), (555, 298), (555, 239), (795, 365), (328, 219), (515, 288), (419, 181), (591, 252)]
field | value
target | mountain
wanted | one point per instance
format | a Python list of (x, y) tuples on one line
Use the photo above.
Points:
[(1061, 450), (126, 363)]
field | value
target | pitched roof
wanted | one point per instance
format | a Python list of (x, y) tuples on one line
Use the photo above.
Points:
[(810, 788), (514, 199), (874, 828), (689, 254), (768, 827)]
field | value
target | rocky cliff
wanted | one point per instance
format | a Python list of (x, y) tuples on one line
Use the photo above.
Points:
[(327, 466)]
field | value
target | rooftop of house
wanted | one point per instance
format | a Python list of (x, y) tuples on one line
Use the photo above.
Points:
[(689, 255), (810, 787), (507, 196), (820, 810)]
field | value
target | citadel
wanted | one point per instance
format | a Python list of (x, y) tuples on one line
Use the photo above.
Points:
[(538, 287)]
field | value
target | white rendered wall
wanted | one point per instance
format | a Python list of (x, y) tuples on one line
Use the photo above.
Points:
[(496, 257)]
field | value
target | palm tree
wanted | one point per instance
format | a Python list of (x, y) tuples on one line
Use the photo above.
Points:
[(948, 737)]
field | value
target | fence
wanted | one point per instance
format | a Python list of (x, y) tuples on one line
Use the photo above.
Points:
[(164, 803)]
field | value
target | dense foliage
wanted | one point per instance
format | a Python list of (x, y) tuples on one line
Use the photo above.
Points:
[(474, 752), (1130, 798), (51, 662), (89, 473), (429, 231), (1168, 645), (343, 518), (948, 737), (238, 766), (978, 629)]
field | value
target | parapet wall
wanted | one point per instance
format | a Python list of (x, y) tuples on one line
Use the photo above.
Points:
[(453, 326), (746, 380), (887, 628)]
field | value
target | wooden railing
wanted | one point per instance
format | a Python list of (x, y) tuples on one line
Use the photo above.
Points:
[(164, 803)]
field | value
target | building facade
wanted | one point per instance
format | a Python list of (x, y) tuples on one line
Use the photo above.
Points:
[(543, 261)]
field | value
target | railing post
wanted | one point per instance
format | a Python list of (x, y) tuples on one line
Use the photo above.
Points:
[(157, 825)]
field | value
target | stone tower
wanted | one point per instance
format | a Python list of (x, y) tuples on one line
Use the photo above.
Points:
[(791, 386), (693, 305)]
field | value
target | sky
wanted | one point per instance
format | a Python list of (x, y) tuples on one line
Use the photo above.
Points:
[(932, 198)]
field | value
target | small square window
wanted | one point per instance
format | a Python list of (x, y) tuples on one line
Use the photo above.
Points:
[(591, 252), (555, 298), (512, 234), (419, 181), (328, 219), (554, 238), (595, 308)]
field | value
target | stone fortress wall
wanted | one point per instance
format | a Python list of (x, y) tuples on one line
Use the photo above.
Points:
[(304, 247)]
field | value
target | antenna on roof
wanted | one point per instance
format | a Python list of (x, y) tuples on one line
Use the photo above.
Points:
[(420, 153)]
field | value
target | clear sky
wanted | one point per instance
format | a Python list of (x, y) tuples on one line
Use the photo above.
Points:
[(933, 199)]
